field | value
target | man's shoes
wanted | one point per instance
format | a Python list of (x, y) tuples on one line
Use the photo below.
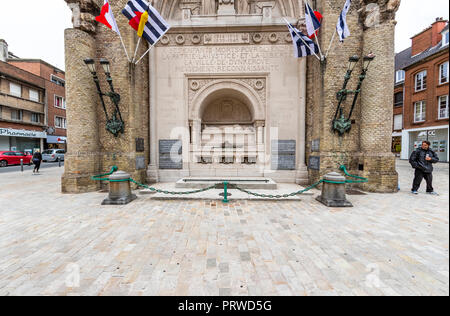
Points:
[(414, 192), (432, 193)]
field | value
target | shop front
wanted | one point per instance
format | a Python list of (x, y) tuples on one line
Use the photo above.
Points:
[(56, 142), (21, 140), (437, 136)]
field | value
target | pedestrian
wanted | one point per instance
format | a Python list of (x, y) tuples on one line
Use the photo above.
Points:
[(37, 158), (422, 161)]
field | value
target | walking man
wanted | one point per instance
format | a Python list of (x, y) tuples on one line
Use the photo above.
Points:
[(37, 158), (422, 161)]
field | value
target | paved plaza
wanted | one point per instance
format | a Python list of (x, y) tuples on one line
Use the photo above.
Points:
[(55, 244)]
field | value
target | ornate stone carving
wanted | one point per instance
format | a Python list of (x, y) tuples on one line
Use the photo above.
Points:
[(83, 14), (209, 7), (372, 13), (242, 6)]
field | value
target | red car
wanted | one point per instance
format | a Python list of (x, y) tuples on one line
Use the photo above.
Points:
[(13, 158)]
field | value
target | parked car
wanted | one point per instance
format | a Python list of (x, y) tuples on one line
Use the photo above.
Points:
[(13, 158), (52, 155)]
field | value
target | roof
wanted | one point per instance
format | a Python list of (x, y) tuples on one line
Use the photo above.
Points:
[(30, 60), (404, 59)]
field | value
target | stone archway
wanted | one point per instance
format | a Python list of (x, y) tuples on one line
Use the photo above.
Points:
[(227, 121)]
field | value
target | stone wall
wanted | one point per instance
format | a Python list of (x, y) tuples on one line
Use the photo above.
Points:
[(92, 149), (366, 149)]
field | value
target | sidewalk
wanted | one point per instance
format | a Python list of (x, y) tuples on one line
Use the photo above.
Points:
[(55, 244)]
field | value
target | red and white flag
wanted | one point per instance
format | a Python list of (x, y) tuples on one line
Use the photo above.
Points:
[(106, 17)]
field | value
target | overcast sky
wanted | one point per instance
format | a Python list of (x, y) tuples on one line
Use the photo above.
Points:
[(36, 30)]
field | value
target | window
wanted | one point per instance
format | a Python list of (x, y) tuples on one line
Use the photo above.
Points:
[(421, 81), (34, 95), (398, 99), (398, 122), (443, 107), (35, 117), (57, 81), (60, 122), (399, 76), (419, 111), (16, 115), (60, 102), (15, 90), (445, 38), (443, 73)]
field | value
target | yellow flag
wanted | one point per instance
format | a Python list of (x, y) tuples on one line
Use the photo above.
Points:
[(144, 19)]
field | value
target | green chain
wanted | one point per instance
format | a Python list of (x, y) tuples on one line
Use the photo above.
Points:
[(101, 177)]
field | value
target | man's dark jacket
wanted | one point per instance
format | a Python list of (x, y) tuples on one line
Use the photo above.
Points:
[(417, 160)]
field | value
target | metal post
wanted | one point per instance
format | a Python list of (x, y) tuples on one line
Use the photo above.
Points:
[(59, 162), (225, 192), (21, 165)]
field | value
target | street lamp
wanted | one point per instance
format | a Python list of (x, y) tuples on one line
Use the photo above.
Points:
[(115, 125), (343, 124)]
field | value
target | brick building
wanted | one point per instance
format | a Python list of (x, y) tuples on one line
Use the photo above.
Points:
[(56, 98), (22, 107), (421, 93)]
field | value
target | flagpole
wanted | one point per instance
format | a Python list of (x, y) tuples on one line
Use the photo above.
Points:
[(315, 36), (144, 54), (123, 45), (289, 26), (331, 42), (137, 46)]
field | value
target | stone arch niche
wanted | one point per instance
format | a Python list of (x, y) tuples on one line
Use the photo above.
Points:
[(227, 123)]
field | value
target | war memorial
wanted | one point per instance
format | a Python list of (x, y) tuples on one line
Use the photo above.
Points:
[(221, 95)]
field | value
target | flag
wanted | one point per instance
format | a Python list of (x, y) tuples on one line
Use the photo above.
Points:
[(106, 17), (342, 27), (148, 23), (303, 45), (319, 17), (312, 23)]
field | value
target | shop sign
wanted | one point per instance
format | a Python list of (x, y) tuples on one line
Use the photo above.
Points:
[(22, 133)]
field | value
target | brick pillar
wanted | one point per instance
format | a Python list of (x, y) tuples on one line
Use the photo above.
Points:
[(376, 109), (81, 162)]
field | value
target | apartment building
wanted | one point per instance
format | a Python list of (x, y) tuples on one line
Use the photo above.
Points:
[(54, 79), (22, 107), (421, 93)]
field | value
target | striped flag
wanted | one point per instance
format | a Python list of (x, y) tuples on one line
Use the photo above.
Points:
[(342, 27), (303, 45), (147, 22), (311, 21)]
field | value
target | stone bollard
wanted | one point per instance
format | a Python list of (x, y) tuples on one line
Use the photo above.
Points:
[(333, 194), (119, 191)]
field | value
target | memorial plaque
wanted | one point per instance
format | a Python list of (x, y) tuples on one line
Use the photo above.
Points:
[(170, 154), (283, 154), (140, 163), (315, 145), (140, 148), (314, 163)]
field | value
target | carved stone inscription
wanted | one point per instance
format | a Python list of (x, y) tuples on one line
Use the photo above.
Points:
[(225, 58), (283, 154), (170, 154), (227, 38)]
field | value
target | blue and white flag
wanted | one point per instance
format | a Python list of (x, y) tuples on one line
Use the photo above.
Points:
[(303, 45), (342, 27), (311, 21), (144, 18)]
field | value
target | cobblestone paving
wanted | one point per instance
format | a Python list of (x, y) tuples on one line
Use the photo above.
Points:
[(388, 244)]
